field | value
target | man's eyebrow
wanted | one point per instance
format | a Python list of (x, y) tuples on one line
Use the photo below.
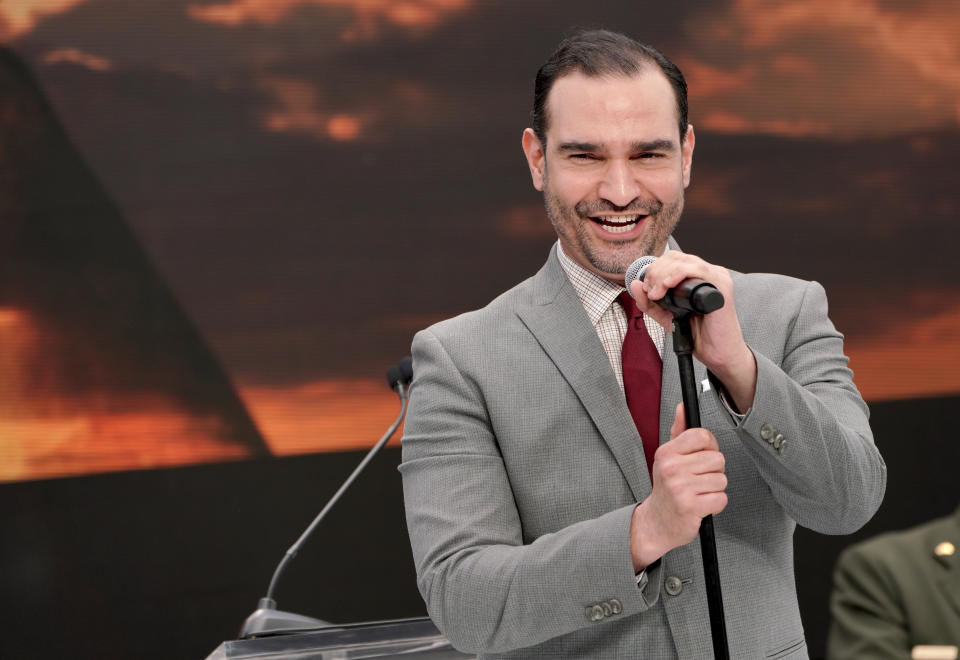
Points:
[(654, 145), (650, 145), (579, 146)]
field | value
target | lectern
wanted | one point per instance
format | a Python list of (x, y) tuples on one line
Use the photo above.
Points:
[(409, 639)]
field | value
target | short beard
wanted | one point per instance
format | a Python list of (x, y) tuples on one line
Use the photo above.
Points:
[(571, 226)]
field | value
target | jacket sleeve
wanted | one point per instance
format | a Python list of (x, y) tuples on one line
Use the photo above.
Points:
[(808, 431), (485, 589), (868, 618)]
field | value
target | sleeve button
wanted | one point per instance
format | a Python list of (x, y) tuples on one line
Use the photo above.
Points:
[(673, 585)]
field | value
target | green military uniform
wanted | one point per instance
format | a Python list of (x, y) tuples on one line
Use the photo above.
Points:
[(897, 591)]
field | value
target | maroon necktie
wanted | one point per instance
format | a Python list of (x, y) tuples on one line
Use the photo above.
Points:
[(641, 377)]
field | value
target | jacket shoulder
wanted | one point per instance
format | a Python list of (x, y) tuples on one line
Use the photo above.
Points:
[(496, 314), (891, 547), (761, 286)]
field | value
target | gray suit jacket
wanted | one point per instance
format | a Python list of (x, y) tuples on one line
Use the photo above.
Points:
[(522, 466)]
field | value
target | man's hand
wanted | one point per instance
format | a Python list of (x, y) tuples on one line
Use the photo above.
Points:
[(718, 340), (688, 484)]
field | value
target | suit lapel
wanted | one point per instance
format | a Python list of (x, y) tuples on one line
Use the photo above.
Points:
[(950, 587), (558, 321), (950, 584)]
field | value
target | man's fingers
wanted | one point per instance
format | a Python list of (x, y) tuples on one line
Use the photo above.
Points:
[(712, 483), (679, 422), (706, 461), (671, 269), (650, 308), (684, 470), (689, 441), (714, 503)]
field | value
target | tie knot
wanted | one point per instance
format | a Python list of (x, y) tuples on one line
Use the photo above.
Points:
[(629, 305)]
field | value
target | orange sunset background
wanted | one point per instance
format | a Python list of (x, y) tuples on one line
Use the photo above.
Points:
[(222, 221)]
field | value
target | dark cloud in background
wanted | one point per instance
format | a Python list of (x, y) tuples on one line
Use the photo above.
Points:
[(302, 257), (868, 220)]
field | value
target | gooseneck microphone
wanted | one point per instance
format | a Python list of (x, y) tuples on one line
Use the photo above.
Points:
[(691, 295), (266, 619)]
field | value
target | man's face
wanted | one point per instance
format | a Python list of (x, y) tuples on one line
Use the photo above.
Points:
[(614, 171)]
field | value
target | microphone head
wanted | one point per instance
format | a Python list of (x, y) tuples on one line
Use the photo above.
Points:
[(636, 271), (400, 373), (394, 376), (406, 369)]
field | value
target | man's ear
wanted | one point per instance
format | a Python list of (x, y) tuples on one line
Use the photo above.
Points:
[(686, 153), (536, 158)]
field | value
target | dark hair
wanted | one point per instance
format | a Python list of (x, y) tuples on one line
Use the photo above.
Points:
[(598, 53)]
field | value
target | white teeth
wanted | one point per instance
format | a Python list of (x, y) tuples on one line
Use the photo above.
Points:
[(618, 224)]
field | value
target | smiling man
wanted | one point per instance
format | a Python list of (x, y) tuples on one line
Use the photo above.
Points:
[(618, 166), (553, 494)]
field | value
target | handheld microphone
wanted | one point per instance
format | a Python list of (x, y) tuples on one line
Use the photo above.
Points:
[(267, 619), (690, 296)]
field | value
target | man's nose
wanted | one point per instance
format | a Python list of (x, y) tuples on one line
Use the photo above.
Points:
[(619, 185)]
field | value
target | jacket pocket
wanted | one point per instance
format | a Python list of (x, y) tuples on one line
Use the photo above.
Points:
[(792, 647)]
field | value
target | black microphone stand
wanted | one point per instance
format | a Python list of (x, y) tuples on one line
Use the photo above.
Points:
[(683, 347), (267, 619)]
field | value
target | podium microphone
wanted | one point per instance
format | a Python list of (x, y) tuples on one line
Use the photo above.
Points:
[(266, 619)]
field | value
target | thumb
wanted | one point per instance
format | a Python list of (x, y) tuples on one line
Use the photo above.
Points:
[(679, 422)]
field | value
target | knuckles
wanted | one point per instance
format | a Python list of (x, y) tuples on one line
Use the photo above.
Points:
[(721, 462), (703, 438), (661, 453), (721, 500), (674, 267), (723, 482), (669, 468)]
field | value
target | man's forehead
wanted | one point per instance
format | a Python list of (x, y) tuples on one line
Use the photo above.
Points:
[(584, 105)]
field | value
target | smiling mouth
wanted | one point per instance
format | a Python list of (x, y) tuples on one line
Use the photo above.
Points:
[(619, 224)]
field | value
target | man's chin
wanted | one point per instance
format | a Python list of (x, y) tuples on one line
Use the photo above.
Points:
[(613, 271), (618, 267)]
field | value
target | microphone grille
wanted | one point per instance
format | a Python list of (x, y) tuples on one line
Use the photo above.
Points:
[(406, 369), (400, 373), (394, 376), (636, 271)]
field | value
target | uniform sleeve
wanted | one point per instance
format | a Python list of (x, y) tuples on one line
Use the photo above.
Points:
[(868, 619)]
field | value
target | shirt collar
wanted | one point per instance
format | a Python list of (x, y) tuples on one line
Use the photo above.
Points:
[(595, 293)]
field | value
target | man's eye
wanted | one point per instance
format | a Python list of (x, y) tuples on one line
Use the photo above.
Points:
[(583, 156), (648, 155)]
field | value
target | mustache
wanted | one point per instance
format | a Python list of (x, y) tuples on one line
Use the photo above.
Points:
[(638, 206)]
